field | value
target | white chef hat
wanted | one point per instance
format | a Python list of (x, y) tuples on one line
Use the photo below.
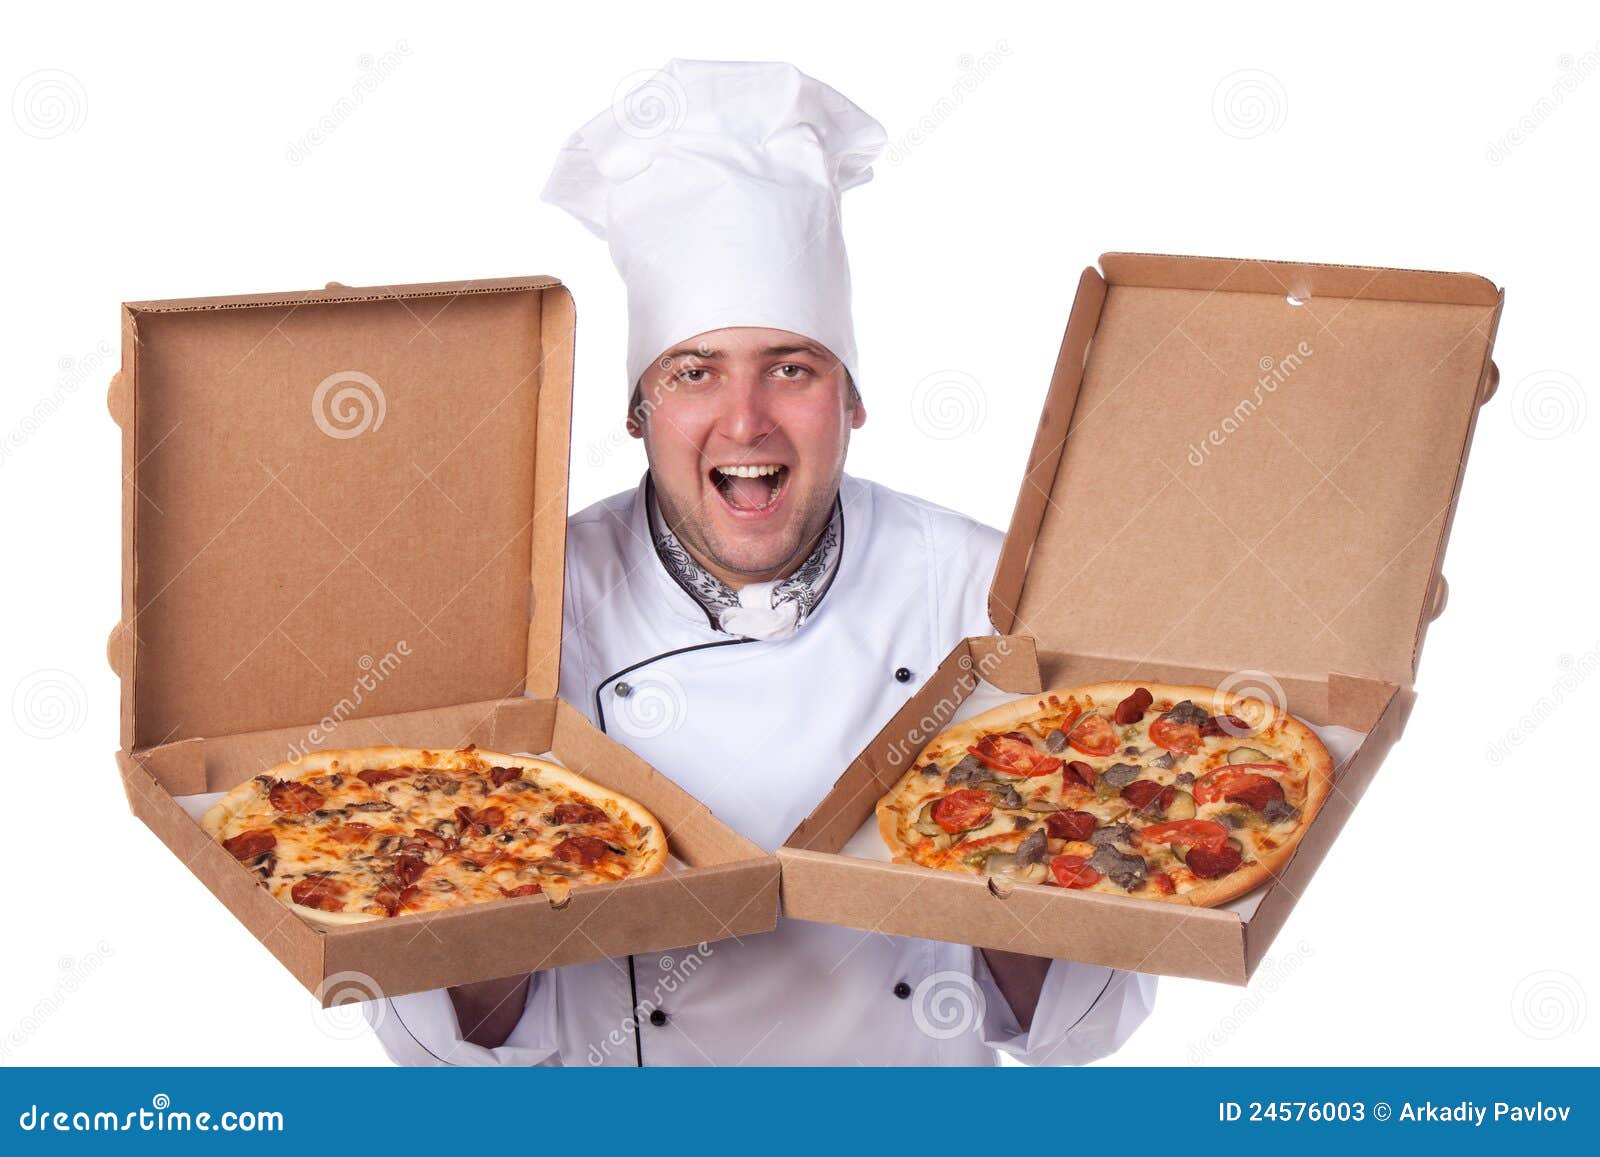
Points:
[(717, 185)]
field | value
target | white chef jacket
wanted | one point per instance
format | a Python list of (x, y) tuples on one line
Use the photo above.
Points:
[(912, 581)]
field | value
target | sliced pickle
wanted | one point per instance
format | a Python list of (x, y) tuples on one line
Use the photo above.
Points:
[(925, 821), (1236, 844), (1182, 806), (1247, 755)]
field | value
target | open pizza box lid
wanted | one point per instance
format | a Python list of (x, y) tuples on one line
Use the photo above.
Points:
[(1247, 466), (344, 525), (1243, 476), (318, 481)]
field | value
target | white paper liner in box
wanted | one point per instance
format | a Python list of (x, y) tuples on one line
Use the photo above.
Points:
[(198, 805), (867, 844)]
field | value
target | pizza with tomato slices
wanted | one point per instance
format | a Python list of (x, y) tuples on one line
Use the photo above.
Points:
[(343, 837), (1190, 795)]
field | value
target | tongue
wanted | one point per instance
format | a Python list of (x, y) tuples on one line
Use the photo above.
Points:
[(748, 493)]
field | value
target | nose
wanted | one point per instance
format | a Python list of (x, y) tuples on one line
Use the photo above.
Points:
[(745, 417)]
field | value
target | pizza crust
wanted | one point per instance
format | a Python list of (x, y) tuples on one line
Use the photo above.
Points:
[(651, 850), (897, 810)]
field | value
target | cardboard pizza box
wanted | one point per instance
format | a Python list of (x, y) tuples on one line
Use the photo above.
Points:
[(1244, 476), (344, 524)]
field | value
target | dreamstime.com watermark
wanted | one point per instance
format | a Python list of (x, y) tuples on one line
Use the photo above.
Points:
[(1575, 672), (74, 372), (672, 973), (373, 673), (347, 404), (374, 71), (1274, 373), (974, 71), (1574, 70), (948, 404), (160, 1117), (938, 717), (49, 103), (75, 971), (1249, 103), (1273, 975)]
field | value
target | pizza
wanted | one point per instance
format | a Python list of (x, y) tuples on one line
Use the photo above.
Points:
[(343, 837), (1188, 795)]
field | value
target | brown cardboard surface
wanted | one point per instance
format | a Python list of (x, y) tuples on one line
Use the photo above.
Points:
[(289, 528), (1304, 546), (1324, 508), (729, 887)]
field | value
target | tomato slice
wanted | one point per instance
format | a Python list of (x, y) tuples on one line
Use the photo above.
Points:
[(1014, 755), (1094, 735), (1241, 783), (1189, 833), (1073, 872), (963, 810), (1184, 738)]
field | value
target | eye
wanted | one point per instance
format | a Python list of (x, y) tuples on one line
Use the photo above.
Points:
[(693, 375), (792, 372)]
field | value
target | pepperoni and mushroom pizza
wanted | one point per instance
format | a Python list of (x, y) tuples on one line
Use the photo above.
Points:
[(342, 837), (1190, 795)]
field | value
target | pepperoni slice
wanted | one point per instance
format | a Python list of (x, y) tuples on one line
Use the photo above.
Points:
[(392, 899), (1208, 864), (504, 775), (480, 822), (295, 798), (350, 833), (320, 892), (522, 890), (382, 775), (1149, 796), (1070, 825), (1080, 772), (1073, 872), (963, 810), (1132, 709), (1189, 833), (1184, 738), (249, 845), (1242, 783), (1225, 725), (408, 869), (1013, 754), (1163, 883), (577, 813), (1094, 735), (581, 849), (430, 839)]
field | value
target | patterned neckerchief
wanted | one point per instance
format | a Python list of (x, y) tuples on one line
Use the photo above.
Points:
[(769, 610)]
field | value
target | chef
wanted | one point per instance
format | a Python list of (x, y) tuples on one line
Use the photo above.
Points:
[(748, 616)]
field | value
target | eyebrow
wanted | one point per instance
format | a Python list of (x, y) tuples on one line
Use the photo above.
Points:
[(778, 351)]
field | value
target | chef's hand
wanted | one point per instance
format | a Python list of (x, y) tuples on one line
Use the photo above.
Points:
[(1021, 980), (489, 1010)]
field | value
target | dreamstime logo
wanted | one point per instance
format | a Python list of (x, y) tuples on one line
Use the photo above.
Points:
[(74, 972), (1274, 373), (49, 103), (1271, 978), (651, 705), (374, 71), (948, 404), (672, 974), (1249, 103), (1574, 71), (338, 1011), (937, 717), (347, 404), (648, 103), (49, 704), (74, 372), (373, 673), (1549, 404), (947, 1005), (974, 71), (1575, 671), (1265, 700), (1550, 1004)]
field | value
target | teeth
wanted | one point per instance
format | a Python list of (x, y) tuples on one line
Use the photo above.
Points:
[(748, 471)]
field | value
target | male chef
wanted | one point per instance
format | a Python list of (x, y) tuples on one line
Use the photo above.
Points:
[(748, 616)]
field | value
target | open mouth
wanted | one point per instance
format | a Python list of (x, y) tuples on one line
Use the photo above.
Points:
[(752, 488)]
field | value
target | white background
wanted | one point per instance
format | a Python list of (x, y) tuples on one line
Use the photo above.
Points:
[(148, 154)]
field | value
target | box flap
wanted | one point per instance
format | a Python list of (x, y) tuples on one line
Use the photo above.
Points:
[(291, 459), (1248, 465)]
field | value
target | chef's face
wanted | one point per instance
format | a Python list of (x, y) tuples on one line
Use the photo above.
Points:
[(746, 431)]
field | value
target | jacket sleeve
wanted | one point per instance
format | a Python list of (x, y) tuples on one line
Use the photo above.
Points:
[(421, 1030), (1085, 1012)]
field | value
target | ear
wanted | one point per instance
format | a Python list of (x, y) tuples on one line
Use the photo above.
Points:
[(858, 415), (634, 427)]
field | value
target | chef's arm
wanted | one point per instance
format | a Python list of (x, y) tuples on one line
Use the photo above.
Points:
[(489, 1010), (1020, 980)]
